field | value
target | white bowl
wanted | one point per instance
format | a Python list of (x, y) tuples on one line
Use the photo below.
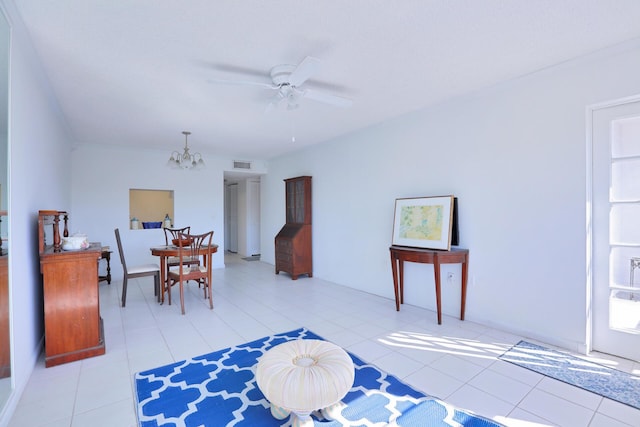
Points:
[(75, 242)]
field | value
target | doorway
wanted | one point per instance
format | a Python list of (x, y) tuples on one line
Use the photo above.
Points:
[(231, 217), (614, 256), (242, 214)]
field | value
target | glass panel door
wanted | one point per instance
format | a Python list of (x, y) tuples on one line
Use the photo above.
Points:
[(616, 230)]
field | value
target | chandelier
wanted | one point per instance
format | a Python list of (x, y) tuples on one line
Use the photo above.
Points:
[(186, 160)]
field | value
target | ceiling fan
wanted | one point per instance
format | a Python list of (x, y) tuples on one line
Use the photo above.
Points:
[(288, 81)]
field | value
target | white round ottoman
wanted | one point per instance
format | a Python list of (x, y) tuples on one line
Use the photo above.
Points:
[(302, 376)]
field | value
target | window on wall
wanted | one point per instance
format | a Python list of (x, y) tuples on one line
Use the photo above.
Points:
[(150, 208)]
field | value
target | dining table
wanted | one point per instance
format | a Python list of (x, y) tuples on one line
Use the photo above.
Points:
[(167, 251)]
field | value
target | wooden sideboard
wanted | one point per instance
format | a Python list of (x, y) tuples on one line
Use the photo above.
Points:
[(5, 342), (72, 322), (5, 333)]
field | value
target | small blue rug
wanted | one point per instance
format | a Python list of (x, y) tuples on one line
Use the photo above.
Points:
[(602, 380), (219, 389)]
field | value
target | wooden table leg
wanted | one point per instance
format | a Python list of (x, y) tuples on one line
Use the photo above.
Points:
[(394, 271), (436, 270), (163, 279), (209, 285), (401, 282), (463, 302), (108, 268)]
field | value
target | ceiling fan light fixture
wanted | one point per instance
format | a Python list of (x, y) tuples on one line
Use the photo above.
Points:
[(186, 160), (289, 80)]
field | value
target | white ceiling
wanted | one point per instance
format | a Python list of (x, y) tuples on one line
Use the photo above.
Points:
[(136, 72)]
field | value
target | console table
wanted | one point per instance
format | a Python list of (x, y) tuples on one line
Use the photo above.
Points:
[(400, 254), (106, 255)]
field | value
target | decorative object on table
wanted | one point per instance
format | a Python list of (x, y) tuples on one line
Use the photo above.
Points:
[(293, 242), (173, 235), (187, 270), (219, 389), (167, 221), (423, 222), (185, 241), (135, 223), (76, 242), (301, 376), (611, 383), (186, 160), (151, 224), (137, 271)]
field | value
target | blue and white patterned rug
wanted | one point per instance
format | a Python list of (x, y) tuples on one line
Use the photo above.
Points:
[(602, 380), (219, 389)]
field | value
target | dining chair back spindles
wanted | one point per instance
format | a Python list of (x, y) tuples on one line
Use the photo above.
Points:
[(174, 233), (186, 271), (131, 272), (171, 235)]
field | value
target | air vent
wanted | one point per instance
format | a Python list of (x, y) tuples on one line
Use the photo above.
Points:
[(237, 164)]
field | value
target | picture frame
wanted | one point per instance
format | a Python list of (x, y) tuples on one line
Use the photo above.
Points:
[(423, 222)]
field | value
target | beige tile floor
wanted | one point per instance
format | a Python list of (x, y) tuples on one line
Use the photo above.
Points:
[(456, 361)]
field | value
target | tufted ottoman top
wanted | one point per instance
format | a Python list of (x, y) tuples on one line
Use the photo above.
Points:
[(305, 375)]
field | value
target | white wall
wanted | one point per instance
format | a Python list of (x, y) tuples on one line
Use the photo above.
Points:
[(102, 177), (515, 157), (39, 144)]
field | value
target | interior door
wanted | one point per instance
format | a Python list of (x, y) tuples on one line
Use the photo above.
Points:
[(253, 217), (615, 227), (231, 207)]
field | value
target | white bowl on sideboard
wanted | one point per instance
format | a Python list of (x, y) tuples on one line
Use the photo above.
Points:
[(75, 242)]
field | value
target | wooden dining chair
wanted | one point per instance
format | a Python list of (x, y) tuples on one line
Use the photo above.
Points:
[(185, 271), (137, 271), (174, 233), (171, 234)]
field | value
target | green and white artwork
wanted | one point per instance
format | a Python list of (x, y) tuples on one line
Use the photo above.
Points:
[(423, 222)]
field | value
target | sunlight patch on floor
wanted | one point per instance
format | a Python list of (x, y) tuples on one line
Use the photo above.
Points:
[(444, 344), (514, 422)]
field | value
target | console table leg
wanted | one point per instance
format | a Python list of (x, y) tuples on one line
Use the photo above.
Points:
[(394, 271), (463, 302), (401, 284), (436, 270)]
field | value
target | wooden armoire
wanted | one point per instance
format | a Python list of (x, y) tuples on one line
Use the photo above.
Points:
[(293, 242)]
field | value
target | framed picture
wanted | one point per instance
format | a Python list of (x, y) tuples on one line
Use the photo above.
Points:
[(423, 222)]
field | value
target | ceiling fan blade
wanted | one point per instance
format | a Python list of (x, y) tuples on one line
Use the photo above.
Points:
[(239, 70), (243, 83), (327, 98), (307, 68)]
